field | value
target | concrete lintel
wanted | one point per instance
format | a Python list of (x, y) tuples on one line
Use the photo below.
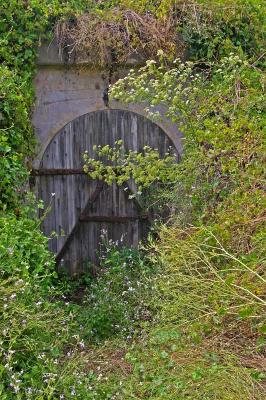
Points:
[(49, 54)]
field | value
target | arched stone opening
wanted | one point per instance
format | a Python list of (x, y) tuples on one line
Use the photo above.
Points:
[(82, 209)]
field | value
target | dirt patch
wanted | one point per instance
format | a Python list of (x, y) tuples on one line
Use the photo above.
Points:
[(106, 362)]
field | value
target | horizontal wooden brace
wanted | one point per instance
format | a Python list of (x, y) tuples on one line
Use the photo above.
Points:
[(57, 171), (110, 218)]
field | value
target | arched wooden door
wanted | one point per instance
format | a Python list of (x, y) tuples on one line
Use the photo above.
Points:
[(82, 210)]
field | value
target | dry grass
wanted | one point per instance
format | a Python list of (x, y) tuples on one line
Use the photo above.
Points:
[(108, 361), (104, 41)]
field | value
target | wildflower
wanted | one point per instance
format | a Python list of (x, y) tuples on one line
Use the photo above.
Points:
[(81, 344), (10, 250), (16, 389), (53, 194), (73, 392)]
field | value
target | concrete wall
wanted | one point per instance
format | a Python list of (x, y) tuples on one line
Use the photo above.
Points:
[(65, 92)]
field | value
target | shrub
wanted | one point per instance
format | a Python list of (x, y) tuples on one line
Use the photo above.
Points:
[(117, 302)]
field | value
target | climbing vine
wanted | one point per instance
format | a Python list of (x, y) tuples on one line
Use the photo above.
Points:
[(115, 165)]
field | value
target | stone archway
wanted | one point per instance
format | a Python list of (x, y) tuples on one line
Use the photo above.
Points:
[(81, 208)]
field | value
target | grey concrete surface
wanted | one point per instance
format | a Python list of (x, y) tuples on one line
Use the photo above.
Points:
[(67, 91)]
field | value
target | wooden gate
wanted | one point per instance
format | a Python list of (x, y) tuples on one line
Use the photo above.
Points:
[(82, 211)]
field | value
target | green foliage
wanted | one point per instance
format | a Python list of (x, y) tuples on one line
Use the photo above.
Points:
[(34, 331), (114, 165), (45, 336), (34, 326), (15, 130), (23, 248), (213, 284), (213, 28), (118, 299), (21, 28), (223, 118)]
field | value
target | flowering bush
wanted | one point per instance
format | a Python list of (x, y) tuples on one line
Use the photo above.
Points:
[(44, 334), (220, 109), (214, 277), (119, 300)]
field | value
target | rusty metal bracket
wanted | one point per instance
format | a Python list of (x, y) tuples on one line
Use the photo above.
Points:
[(57, 171), (110, 218)]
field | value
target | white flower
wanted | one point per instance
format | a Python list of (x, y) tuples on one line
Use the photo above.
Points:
[(82, 345), (53, 194)]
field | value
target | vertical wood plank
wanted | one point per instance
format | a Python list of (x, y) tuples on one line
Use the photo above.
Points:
[(73, 191)]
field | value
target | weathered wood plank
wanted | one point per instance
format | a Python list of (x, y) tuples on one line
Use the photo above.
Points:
[(74, 210), (76, 226)]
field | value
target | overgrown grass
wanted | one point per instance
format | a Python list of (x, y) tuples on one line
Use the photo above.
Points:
[(49, 333), (184, 319), (204, 337)]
